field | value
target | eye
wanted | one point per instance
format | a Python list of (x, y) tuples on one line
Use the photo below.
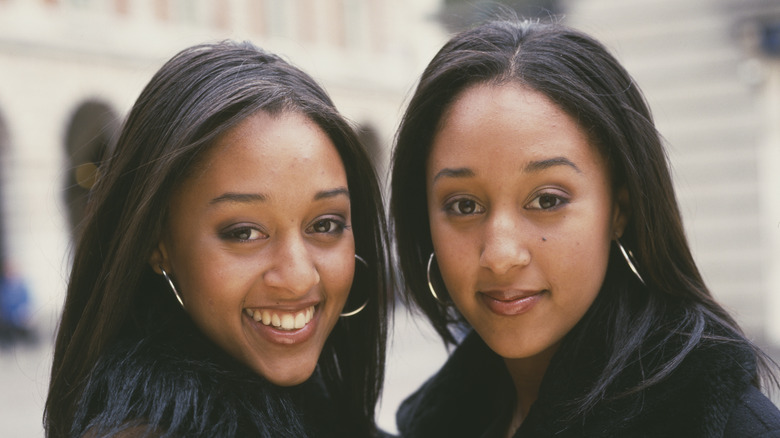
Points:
[(328, 226), (546, 201), (243, 234), (464, 207)]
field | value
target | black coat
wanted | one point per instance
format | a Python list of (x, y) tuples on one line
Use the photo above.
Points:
[(182, 385), (708, 395)]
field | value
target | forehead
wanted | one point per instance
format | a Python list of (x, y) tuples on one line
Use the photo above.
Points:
[(269, 152), (507, 124)]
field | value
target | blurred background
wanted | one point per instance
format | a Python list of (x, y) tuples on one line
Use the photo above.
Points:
[(71, 69)]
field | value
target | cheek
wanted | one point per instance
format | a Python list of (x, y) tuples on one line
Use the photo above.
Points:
[(213, 283), (585, 244), (455, 256), (578, 269), (337, 272), (339, 281)]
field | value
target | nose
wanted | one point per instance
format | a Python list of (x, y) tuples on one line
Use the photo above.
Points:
[(292, 267), (504, 244)]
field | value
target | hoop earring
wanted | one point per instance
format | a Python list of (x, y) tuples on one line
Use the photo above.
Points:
[(359, 309), (430, 284), (629, 256), (173, 287)]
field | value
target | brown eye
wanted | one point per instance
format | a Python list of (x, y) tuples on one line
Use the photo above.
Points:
[(466, 206), (323, 226), (242, 234), (548, 201), (328, 226), (463, 207)]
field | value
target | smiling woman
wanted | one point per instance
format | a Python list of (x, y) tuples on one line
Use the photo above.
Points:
[(527, 173), (240, 242), (215, 289)]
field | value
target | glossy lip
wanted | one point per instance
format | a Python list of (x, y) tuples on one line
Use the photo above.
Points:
[(285, 337), (511, 302)]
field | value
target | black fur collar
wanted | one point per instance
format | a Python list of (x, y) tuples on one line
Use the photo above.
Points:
[(180, 384), (473, 394)]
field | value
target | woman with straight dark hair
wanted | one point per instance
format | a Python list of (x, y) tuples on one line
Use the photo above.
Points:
[(230, 277), (533, 209)]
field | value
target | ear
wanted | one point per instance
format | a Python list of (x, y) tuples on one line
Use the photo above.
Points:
[(622, 212), (159, 258)]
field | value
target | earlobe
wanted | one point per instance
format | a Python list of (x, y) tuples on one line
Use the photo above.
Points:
[(622, 212), (158, 258)]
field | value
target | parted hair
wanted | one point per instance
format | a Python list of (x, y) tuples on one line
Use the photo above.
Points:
[(194, 98), (579, 75)]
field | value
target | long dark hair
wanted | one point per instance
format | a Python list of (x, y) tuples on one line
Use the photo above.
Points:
[(579, 75), (194, 98)]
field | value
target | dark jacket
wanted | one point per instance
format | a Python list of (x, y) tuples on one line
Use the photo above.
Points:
[(182, 385), (708, 395)]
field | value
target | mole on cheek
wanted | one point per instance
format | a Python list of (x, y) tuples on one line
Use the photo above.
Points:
[(544, 239)]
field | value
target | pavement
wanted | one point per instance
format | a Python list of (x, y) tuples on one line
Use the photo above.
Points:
[(24, 379)]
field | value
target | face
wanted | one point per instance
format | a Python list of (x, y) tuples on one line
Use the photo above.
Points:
[(260, 246), (522, 213)]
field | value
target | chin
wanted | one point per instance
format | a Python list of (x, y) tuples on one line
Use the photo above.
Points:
[(287, 375), (516, 347), (290, 381)]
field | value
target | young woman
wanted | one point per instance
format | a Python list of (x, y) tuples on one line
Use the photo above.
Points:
[(230, 277), (527, 171)]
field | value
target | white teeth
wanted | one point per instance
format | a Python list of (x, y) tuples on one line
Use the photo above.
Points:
[(283, 320), (300, 320), (288, 321)]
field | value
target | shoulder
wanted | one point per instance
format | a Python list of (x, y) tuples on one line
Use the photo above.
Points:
[(711, 387), (701, 391), (707, 387), (754, 415)]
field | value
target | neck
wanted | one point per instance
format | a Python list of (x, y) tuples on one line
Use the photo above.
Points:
[(527, 374)]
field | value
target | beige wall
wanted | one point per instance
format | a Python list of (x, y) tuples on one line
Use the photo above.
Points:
[(715, 102)]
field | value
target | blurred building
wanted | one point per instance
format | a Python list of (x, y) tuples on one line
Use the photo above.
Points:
[(71, 69), (710, 70)]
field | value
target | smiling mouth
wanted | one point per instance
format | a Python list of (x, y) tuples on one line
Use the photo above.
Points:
[(282, 320)]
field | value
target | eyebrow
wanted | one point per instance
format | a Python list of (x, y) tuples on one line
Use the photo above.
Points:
[(259, 197), (533, 166), (239, 197), (536, 166), (461, 172), (324, 194)]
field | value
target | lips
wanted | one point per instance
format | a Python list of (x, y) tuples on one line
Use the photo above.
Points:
[(511, 302)]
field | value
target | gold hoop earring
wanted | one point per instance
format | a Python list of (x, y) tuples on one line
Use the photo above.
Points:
[(359, 309), (430, 283), (173, 287), (629, 256)]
